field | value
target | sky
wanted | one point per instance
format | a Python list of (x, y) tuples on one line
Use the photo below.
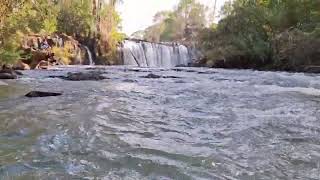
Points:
[(138, 14)]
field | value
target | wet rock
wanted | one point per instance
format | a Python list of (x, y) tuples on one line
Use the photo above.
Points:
[(7, 76), (8, 73), (154, 76), (18, 73), (172, 77), (33, 94), (312, 69), (37, 57), (184, 70), (21, 66), (85, 76), (43, 65), (206, 72), (95, 68), (130, 80), (138, 70), (60, 77)]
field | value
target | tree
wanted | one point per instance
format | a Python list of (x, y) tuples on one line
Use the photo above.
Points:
[(181, 24), (251, 29)]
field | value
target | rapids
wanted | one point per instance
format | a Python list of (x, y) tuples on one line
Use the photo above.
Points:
[(203, 124)]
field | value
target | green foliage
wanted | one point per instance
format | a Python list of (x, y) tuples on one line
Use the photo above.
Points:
[(181, 24), (9, 50), (85, 18), (250, 29), (75, 17)]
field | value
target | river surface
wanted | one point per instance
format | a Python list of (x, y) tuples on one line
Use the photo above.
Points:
[(203, 124)]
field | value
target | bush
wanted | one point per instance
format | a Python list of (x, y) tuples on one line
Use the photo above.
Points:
[(62, 54)]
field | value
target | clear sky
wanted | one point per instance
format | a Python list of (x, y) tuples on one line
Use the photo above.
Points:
[(138, 14)]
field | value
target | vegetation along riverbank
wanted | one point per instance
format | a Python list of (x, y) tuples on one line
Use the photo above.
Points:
[(260, 34)]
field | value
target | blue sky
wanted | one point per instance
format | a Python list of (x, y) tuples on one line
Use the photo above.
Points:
[(138, 14)]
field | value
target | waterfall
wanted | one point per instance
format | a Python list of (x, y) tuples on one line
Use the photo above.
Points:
[(91, 63), (147, 54)]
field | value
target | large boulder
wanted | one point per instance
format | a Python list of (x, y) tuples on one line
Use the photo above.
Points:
[(39, 56), (7, 76), (43, 65), (21, 66), (83, 76), (312, 69)]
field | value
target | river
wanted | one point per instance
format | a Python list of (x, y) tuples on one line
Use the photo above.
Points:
[(199, 124)]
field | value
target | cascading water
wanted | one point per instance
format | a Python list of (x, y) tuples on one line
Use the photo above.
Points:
[(89, 56), (147, 54)]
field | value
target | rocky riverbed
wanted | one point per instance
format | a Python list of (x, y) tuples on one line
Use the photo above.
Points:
[(144, 123)]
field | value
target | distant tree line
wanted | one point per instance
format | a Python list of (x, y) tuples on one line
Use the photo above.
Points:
[(271, 34)]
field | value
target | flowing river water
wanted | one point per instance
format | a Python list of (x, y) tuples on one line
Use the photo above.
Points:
[(202, 124)]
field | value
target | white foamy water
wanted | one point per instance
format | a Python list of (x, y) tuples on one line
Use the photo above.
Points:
[(91, 63), (194, 123)]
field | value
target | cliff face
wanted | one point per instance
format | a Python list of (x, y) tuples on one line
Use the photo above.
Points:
[(54, 49)]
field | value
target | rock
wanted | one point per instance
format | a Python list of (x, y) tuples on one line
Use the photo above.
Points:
[(154, 76), (130, 81), (18, 73), (43, 65), (95, 68), (37, 57), (312, 69), (206, 72), (184, 70), (60, 77), (7, 76), (8, 73), (21, 66), (85, 76), (138, 70), (33, 94)]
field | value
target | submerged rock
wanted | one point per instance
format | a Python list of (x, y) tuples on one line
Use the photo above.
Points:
[(130, 81), (33, 94), (85, 76), (82, 76), (7, 76), (154, 76)]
